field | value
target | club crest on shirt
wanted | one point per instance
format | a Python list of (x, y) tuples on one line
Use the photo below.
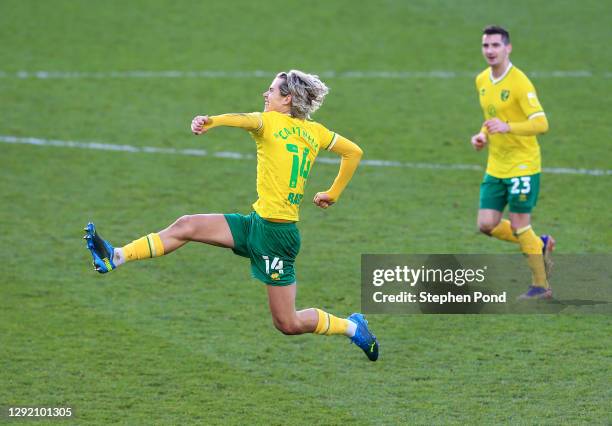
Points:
[(482, 91), (505, 94), (491, 110)]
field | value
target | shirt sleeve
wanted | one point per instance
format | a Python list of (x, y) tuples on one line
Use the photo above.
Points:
[(528, 100), (350, 155), (327, 137), (536, 125), (253, 122)]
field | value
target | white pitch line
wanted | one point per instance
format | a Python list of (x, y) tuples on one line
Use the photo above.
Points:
[(241, 156), (213, 74)]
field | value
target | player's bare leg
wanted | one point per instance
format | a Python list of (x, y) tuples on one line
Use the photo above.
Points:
[(289, 321), (488, 219), (519, 220), (491, 223), (286, 319), (205, 228)]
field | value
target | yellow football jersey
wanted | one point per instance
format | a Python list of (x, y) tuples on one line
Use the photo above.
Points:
[(286, 151), (511, 98)]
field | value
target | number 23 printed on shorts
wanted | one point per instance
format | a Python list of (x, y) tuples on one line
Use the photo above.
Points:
[(521, 185)]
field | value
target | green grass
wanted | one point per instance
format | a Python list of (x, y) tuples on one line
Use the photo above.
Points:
[(188, 338)]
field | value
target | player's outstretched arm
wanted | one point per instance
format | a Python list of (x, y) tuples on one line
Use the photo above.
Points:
[(351, 155), (248, 121)]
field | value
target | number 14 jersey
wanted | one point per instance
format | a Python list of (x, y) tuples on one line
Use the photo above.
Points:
[(286, 151)]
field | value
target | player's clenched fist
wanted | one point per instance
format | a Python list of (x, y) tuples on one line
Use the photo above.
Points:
[(479, 141), (323, 200), (197, 124)]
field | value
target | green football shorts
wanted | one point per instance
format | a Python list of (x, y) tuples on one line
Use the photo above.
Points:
[(520, 193), (272, 247)]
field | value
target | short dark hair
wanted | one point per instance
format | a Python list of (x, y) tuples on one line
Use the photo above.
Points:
[(496, 29)]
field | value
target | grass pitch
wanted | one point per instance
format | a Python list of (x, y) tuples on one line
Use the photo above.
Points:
[(188, 338)]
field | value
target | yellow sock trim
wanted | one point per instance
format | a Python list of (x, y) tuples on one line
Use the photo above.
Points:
[(531, 246), (503, 231), (522, 230), (144, 248), (329, 324), (323, 324), (157, 247)]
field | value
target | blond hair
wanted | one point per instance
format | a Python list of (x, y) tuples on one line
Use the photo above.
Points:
[(307, 92)]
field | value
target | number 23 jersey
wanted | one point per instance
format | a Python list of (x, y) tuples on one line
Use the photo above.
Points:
[(511, 98)]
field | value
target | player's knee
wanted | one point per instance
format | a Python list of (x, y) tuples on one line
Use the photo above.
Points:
[(184, 226), (287, 326), (486, 227)]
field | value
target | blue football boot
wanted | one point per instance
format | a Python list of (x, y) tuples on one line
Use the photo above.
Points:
[(363, 337), (536, 293), (101, 251)]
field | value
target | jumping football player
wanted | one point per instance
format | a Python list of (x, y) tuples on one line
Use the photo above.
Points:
[(288, 143)]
